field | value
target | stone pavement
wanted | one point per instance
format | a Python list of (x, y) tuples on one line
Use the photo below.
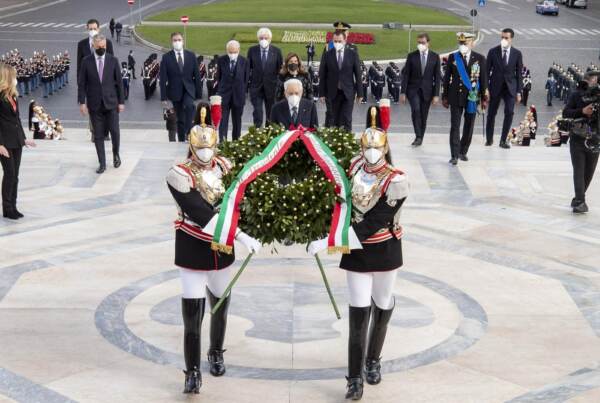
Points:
[(498, 301)]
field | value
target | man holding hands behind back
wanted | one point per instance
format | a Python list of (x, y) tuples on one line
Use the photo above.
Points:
[(504, 66), (341, 80), (180, 83), (421, 84), (100, 93)]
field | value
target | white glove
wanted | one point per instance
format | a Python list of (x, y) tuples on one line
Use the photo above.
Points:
[(317, 246), (250, 243)]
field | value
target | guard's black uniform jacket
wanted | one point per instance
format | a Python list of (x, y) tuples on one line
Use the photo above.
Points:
[(187, 183), (377, 197)]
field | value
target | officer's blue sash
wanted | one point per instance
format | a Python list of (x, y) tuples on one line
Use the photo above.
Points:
[(466, 80)]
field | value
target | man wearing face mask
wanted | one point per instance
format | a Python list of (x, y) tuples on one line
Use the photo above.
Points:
[(100, 93), (421, 81), (295, 110), (85, 47), (341, 82), (180, 83), (465, 86), (233, 73), (197, 189), (504, 68), (264, 61), (375, 237)]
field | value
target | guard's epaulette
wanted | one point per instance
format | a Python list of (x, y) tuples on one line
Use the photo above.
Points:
[(355, 164), (180, 178), (396, 186), (224, 163)]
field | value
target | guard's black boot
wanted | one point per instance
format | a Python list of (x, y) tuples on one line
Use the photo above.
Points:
[(357, 341), (218, 325), (379, 323), (192, 310)]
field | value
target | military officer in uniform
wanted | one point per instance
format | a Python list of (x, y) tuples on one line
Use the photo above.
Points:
[(394, 80), (465, 87), (377, 78), (378, 192), (197, 188), (365, 81)]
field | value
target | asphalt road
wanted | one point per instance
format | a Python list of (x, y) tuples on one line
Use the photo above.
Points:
[(57, 25)]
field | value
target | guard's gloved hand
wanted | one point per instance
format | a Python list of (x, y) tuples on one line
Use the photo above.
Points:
[(250, 243), (317, 246)]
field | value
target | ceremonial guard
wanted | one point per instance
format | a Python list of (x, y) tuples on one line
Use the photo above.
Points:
[(526, 77), (365, 81), (202, 69), (313, 72), (394, 80), (377, 78), (465, 86), (197, 187), (211, 77), (378, 192), (126, 77)]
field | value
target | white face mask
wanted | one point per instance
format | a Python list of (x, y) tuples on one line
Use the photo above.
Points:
[(92, 33), (372, 155), (463, 49), (294, 100), (504, 43), (177, 45), (264, 43), (338, 46), (233, 56), (205, 154), (421, 47)]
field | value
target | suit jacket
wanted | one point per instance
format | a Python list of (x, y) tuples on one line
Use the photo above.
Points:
[(266, 77), (174, 83), (83, 50), (95, 93), (232, 85), (307, 114), (130, 61), (499, 73), (454, 90), (11, 129), (349, 77), (429, 82)]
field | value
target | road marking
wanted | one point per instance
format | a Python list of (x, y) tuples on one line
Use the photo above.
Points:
[(69, 25), (518, 32), (79, 26), (578, 31), (28, 10), (28, 24), (48, 25), (485, 31), (596, 31), (13, 6), (537, 31), (37, 25), (17, 24), (548, 31), (588, 31), (59, 25), (568, 31), (558, 30)]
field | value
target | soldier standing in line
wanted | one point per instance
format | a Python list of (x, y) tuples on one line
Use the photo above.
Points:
[(377, 78)]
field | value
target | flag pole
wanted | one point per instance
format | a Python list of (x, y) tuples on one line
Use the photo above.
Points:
[(331, 298), (231, 284)]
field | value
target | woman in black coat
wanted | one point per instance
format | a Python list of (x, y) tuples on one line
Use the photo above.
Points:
[(12, 140), (293, 68)]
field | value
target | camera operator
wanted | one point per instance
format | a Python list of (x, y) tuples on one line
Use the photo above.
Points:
[(582, 107)]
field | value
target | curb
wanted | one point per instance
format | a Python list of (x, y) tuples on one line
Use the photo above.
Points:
[(147, 43)]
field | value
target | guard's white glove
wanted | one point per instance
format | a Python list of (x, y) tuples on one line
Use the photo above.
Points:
[(317, 246), (250, 243)]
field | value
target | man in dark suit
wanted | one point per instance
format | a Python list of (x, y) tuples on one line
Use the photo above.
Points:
[(232, 77), (340, 84), (265, 60), (180, 83), (421, 81), (504, 67), (100, 92), (85, 47), (295, 110), (456, 94)]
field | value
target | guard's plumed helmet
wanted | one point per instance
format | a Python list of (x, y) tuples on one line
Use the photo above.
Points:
[(203, 135), (375, 135)]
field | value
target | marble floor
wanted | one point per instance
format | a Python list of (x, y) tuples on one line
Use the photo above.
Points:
[(498, 300)]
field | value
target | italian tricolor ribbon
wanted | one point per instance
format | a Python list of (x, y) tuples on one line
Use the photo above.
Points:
[(226, 223)]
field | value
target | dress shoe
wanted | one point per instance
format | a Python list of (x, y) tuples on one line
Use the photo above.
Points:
[(463, 157), (117, 161), (101, 169), (488, 143), (418, 141), (19, 214), (354, 388), (10, 214), (581, 208), (504, 144), (575, 202), (453, 161)]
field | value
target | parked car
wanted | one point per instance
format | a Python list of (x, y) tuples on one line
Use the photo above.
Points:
[(547, 7), (574, 3)]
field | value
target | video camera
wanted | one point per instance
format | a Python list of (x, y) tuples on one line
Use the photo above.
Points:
[(588, 128)]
